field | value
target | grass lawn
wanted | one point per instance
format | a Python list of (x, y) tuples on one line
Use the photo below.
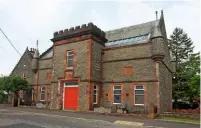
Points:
[(183, 120)]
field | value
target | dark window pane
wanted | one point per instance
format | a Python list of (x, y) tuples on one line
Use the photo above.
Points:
[(139, 99), (139, 87), (71, 84), (70, 53), (70, 58), (95, 87), (42, 97), (70, 63), (117, 91), (94, 98), (94, 91), (139, 91), (117, 98), (42, 88), (117, 87)]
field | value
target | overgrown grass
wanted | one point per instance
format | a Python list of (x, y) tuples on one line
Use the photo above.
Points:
[(176, 119)]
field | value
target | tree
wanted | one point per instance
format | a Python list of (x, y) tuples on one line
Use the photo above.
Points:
[(182, 48), (13, 84), (193, 76)]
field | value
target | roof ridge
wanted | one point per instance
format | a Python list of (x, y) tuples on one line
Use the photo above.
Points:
[(132, 25)]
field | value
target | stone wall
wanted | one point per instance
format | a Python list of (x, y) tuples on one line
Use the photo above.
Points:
[(82, 96), (138, 51), (43, 77), (165, 87), (24, 66), (143, 70), (45, 63), (96, 61), (128, 95), (80, 59)]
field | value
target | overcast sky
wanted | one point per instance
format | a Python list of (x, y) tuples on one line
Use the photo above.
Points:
[(25, 21)]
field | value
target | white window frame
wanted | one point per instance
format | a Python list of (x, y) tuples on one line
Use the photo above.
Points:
[(41, 90), (138, 94), (117, 94), (95, 94), (68, 59)]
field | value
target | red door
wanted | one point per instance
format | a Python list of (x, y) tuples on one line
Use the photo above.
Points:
[(71, 98)]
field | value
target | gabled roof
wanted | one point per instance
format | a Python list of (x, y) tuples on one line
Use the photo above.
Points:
[(47, 53), (26, 51)]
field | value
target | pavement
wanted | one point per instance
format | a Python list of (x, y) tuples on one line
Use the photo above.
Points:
[(23, 117)]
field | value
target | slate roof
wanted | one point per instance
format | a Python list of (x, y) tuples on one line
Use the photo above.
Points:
[(131, 31), (47, 53)]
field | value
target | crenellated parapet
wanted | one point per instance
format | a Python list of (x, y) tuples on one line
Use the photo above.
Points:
[(77, 31)]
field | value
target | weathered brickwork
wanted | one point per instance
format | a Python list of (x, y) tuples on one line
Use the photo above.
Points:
[(143, 70), (81, 59)]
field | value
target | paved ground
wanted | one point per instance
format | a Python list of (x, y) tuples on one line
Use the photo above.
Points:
[(39, 118)]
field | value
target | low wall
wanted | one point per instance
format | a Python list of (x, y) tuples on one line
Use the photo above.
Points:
[(182, 115)]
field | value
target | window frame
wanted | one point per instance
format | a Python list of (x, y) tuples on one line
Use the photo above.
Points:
[(117, 94), (95, 94), (42, 92), (67, 55), (138, 94)]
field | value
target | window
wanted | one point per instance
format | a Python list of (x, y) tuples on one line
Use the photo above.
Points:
[(70, 84), (69, 59), (95, 94), (24, 76), (117, 94), (139, 95), (42, 94)]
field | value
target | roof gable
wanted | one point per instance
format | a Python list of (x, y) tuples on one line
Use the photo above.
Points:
[(30, 55), (47, 54)]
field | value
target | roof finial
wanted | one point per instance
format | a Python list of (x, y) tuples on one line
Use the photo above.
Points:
[(37, 44), (156, 15)]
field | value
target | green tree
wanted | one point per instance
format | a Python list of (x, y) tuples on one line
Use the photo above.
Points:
[(13, 84), (192, 72), (182, 47)]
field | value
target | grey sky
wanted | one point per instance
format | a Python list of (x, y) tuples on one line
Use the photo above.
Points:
[(25, 21)]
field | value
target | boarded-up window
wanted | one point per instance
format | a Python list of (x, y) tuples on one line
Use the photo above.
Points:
[(128, 70), (49, 75)]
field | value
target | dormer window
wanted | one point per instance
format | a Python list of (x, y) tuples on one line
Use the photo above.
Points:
[(70, 59)]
